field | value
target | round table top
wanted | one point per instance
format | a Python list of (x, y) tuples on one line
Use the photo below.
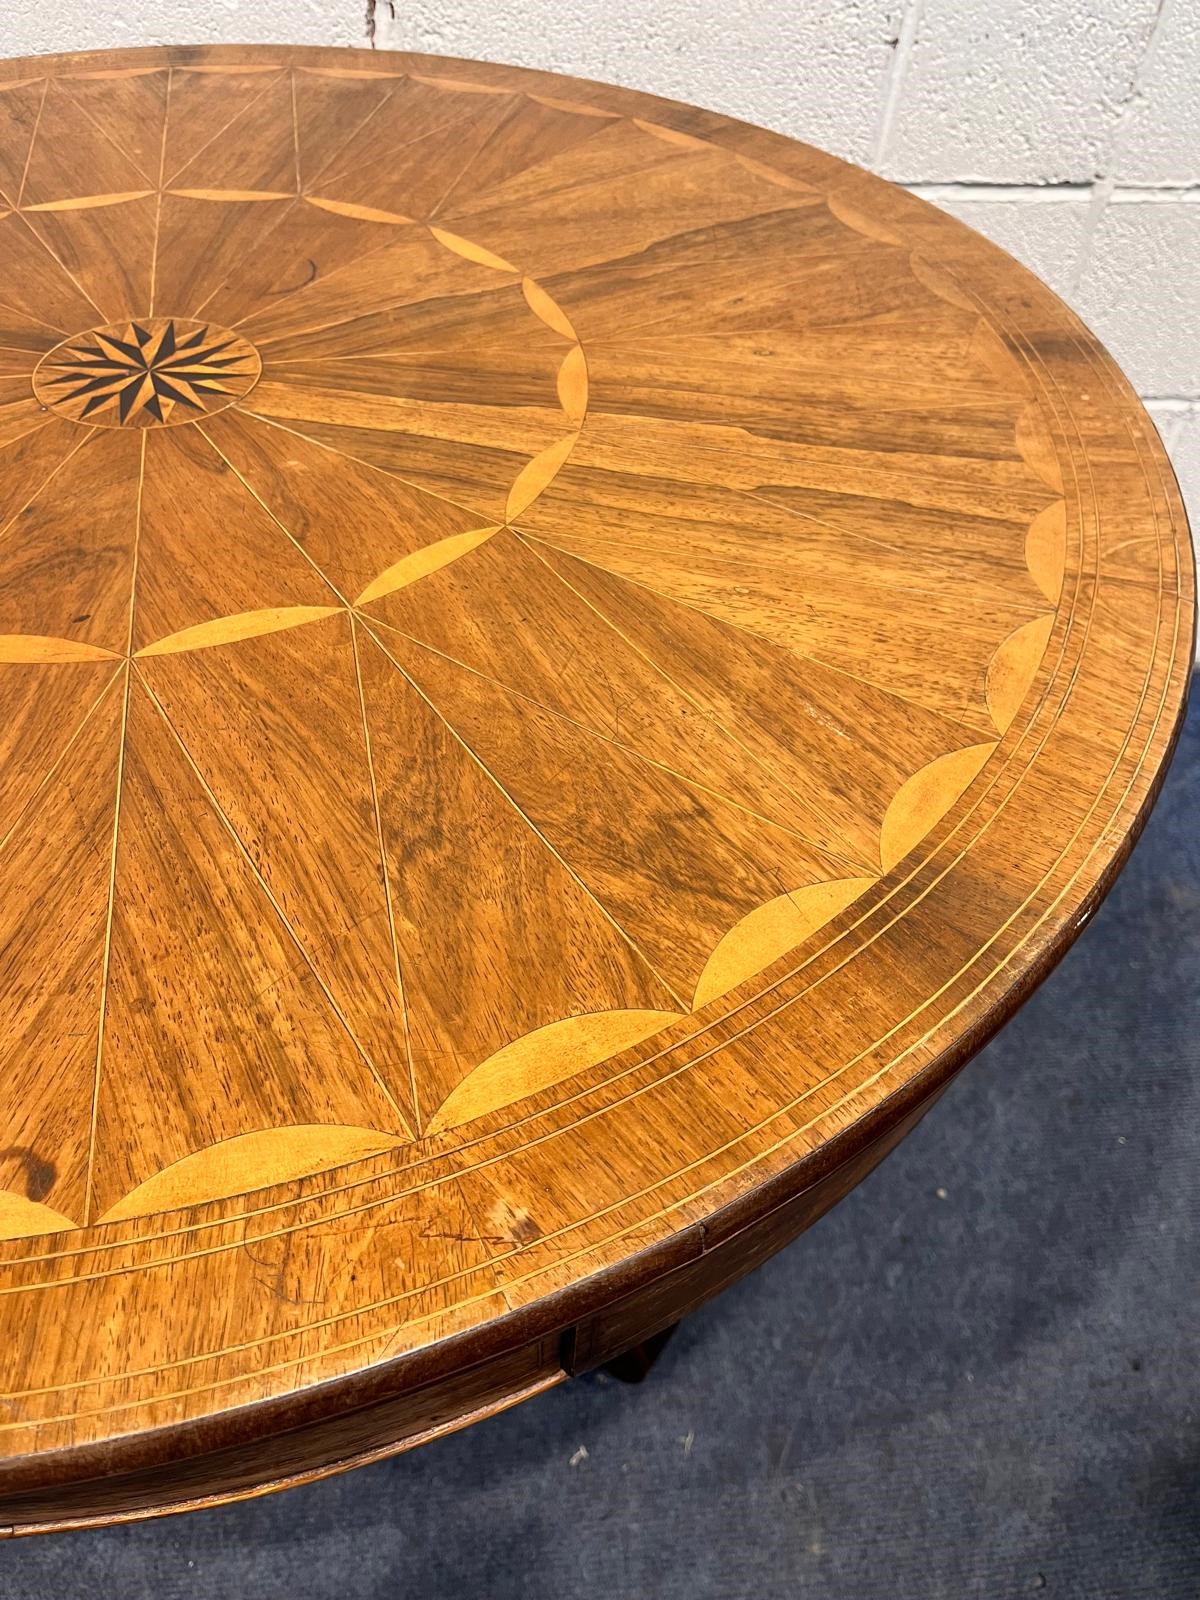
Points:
[(564, 661)]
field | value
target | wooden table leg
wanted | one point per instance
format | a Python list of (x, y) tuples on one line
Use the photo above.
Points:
[(635, 1364)]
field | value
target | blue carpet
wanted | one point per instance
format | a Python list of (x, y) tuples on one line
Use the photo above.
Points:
[(978, 1376)]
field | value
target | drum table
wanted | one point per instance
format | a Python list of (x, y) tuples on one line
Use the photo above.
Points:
[(564, 662)]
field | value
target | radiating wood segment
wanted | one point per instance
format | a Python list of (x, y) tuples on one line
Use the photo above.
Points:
[(563, 662)]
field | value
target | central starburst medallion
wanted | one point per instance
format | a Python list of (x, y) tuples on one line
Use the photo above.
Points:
[(155, 372)]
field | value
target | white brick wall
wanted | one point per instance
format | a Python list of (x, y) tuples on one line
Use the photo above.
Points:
[(1066, 130), (1140, 288), (1015, 91)]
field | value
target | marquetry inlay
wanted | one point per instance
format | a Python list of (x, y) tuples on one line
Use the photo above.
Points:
[(153, 371), (558, 655)]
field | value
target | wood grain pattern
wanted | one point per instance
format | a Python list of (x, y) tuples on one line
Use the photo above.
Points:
[(564, 661)]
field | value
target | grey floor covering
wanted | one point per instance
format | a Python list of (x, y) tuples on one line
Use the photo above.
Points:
[(978, 1376)]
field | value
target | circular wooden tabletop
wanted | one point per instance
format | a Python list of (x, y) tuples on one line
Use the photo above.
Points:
[(564, 661)]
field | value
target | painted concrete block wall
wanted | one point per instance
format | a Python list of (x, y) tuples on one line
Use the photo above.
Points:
[(1066, 130)]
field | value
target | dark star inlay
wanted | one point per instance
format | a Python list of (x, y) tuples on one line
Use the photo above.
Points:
[(157, 371)]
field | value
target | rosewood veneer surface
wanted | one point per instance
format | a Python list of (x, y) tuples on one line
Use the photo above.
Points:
[(564, 662)]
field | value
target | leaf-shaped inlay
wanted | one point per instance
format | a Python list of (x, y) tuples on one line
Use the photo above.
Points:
[(925, 798), (91, 202), (537, 475), (1037, 447), (770, 930), (243, 625), (990, 351), (232, 196), (420, 563), (250, 1161), (573, 385), (782, 180), (471, 252), (861, 221), (22, 1219), (545, 309), (42, 649), (940, 283), (685, 141), (545, 1057), (1014, 666), (1046, 549), (344, 208), (458, 85)]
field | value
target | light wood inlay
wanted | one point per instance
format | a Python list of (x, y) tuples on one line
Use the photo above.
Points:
[(563, 662)]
